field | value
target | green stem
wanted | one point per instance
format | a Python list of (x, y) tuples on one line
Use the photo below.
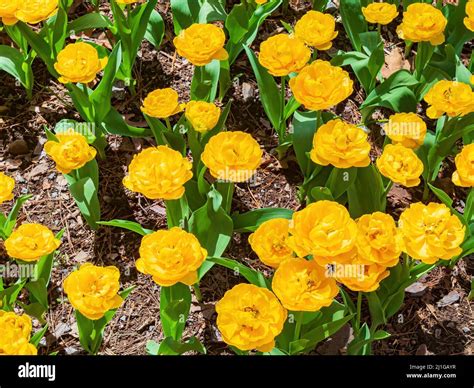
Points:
[(426, 192), (197, 292), (299, 322), (282, 129), (408, 49), (314, 55), (168, 124), (379, 29), (359, 308)]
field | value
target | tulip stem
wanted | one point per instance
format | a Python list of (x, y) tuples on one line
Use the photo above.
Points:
[(379, 29), (359, 308), (299, 322), (426, 192), (168, 124), (282, 129), (197, 292)]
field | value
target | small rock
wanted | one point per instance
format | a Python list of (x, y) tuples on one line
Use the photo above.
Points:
[(466, 330), (247, 91), (18, 147), (452, 297), (416, 289), (71, 350), (61, 329)]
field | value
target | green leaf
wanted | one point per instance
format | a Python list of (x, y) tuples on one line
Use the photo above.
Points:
[(9, 295), (367, 194), (116, 125), (447, 200), (36, 338), (250, 221), (236, 22), (155, 29), (44, 266), (102, 95), (11, 61), (171, 347), (353, 21), (175, 303), (38, 292), (129, 225), (376, 309), (250, 274), (187, 12), (360, 345), (89, 21), (85, 192), (212, 228), (340, 179), (305, 125), (9, 224), (319, 193), (205, 81), (269, 91)]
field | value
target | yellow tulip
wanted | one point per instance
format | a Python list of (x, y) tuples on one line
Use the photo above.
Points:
[(35, 11), (30, 242), (200, 44), (321, 85), (325, 230), (303, 285), (202, 115), (250, 317), (378, 240), (469, 19), (283, 54), (464, 174), (7, 185), (93, 290), (450, 97), (232, 156), (401, 165), (8, 9), (316, 29), (270, 242), (15, 333), (71, 152), (381, 13), (171, 256), (423, 23), (370, 280), (430, 232), (407, 129), (340, 144), (79, 63), (162, 103), (158, 173)]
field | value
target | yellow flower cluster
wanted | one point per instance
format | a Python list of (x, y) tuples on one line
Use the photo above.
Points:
[(15, 333), (7, 185), (200, 44), (423, 23), (430, 232), (250, 317), (30, 242), (162, 103), (232, 156), (93, 290), (79, 63), (321, 86), (381, 13), (158, 173), (171, 256), (28, 11), (340, 144), (283, 54), (316, 29), (70, 152), (407, 129), (203, 116), (450, 97), (401, 165), (464, 174), (469, 19)]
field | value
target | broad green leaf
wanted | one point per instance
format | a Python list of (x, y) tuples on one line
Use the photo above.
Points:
[(353, 21), (89, 21), (171, 347), (129, 225), (175, 302), (11, 61), (205, 81), (367, 194), (250, 221), (13, 215), (269, 91), (155, 29), (340, 179), (239, 268)]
